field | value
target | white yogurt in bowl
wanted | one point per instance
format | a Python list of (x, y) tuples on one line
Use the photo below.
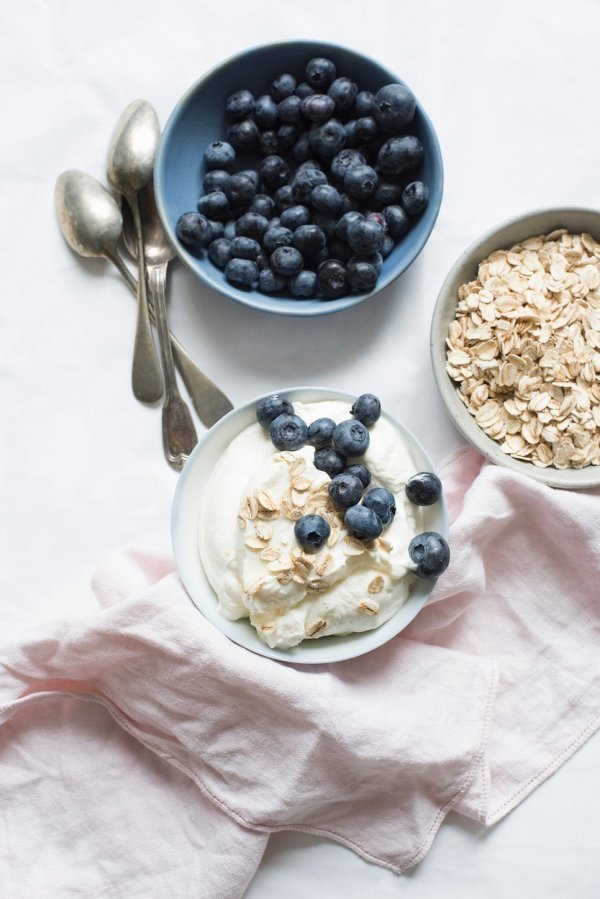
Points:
[(233, 536)]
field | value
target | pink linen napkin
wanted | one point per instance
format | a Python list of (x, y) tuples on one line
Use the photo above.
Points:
[(491, 688)]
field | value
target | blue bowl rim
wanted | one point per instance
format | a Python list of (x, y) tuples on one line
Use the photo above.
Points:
[(254, 299)]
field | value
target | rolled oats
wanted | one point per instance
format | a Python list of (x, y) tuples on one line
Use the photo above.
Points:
[(523, 349)]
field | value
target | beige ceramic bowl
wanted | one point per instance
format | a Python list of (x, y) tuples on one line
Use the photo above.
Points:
[(465, 269)]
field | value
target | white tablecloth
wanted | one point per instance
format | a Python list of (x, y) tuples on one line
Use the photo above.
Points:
[(512, 89)]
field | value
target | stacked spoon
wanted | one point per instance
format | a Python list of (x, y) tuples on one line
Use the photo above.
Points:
[(92, 224)]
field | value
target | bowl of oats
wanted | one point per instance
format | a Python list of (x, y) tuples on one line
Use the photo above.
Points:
[(515, 345)]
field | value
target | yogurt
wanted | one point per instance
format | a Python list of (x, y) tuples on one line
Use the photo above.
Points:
[(254, 562)]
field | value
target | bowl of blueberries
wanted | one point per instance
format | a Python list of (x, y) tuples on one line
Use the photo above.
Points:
[(299, 178)]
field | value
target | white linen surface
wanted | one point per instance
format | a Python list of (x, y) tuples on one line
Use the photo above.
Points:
[(512, 89)]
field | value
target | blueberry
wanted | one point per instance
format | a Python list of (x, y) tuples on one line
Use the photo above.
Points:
[(283, 86), (343, 161), (320, 72), (219, 252), (388, 245), (283, 197), (340, 251), (241, 190), (244, 248), (269, 144), (241, 272), (361, 181), (303, 285), (383, 502), (345, 490), (265, 112), (251, 224), (302, 149), (374, 259), (286, 261), (275, 222), (288, 135), (304, 181), (253, 175), (397, 221), (320, 432), (351, 437), (294, 216), (349, 204), (400, 154), (415, 197), (430, 553), (327, 224), (347, 219), (309, 240), (331, 279), (193, 230), (274, 171), (365, 237), (243, 135), (219, 155), (379, 218), (290, 109), (424, 488), (264, 205), (352, 138), (288, 432), (311, 532), (361, 276), (318, 108), (327, 139), (394, 107), (366, 409), (310, 163), (269, 282), (277, 237), (304, 90), (229, 230), (262, 261), (386, 194), (343, 92), (366, 128), (218, 179), (363, 523), (239, 105), (329, 460), (361, 472), (271, 407), (326, 198), (363, 103), (216, 230), (214, 205)]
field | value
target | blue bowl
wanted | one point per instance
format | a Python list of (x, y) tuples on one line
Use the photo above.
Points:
[(200, 118)]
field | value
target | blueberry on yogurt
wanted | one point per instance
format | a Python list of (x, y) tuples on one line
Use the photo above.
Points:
[(351, 437), (311, 532), (329, 460), (366, 409), (271, 407), (363, 523), (288, 432), (320, 432), (345, 490), (382, 502)]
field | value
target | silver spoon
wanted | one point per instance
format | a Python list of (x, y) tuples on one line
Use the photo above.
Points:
[(130, 164), (91, 223), (178, 432)]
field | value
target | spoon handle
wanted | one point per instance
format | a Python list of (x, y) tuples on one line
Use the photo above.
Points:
[(208, 400), (146, 377), (179, 434)]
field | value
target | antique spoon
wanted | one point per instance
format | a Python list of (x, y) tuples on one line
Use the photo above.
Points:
[(91, 223), (130, 164), (178, 432)]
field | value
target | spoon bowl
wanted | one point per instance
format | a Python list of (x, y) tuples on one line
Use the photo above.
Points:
[(88, 216)]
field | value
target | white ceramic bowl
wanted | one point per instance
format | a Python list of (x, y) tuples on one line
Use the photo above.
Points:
[(184, 533), (503, 236)]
